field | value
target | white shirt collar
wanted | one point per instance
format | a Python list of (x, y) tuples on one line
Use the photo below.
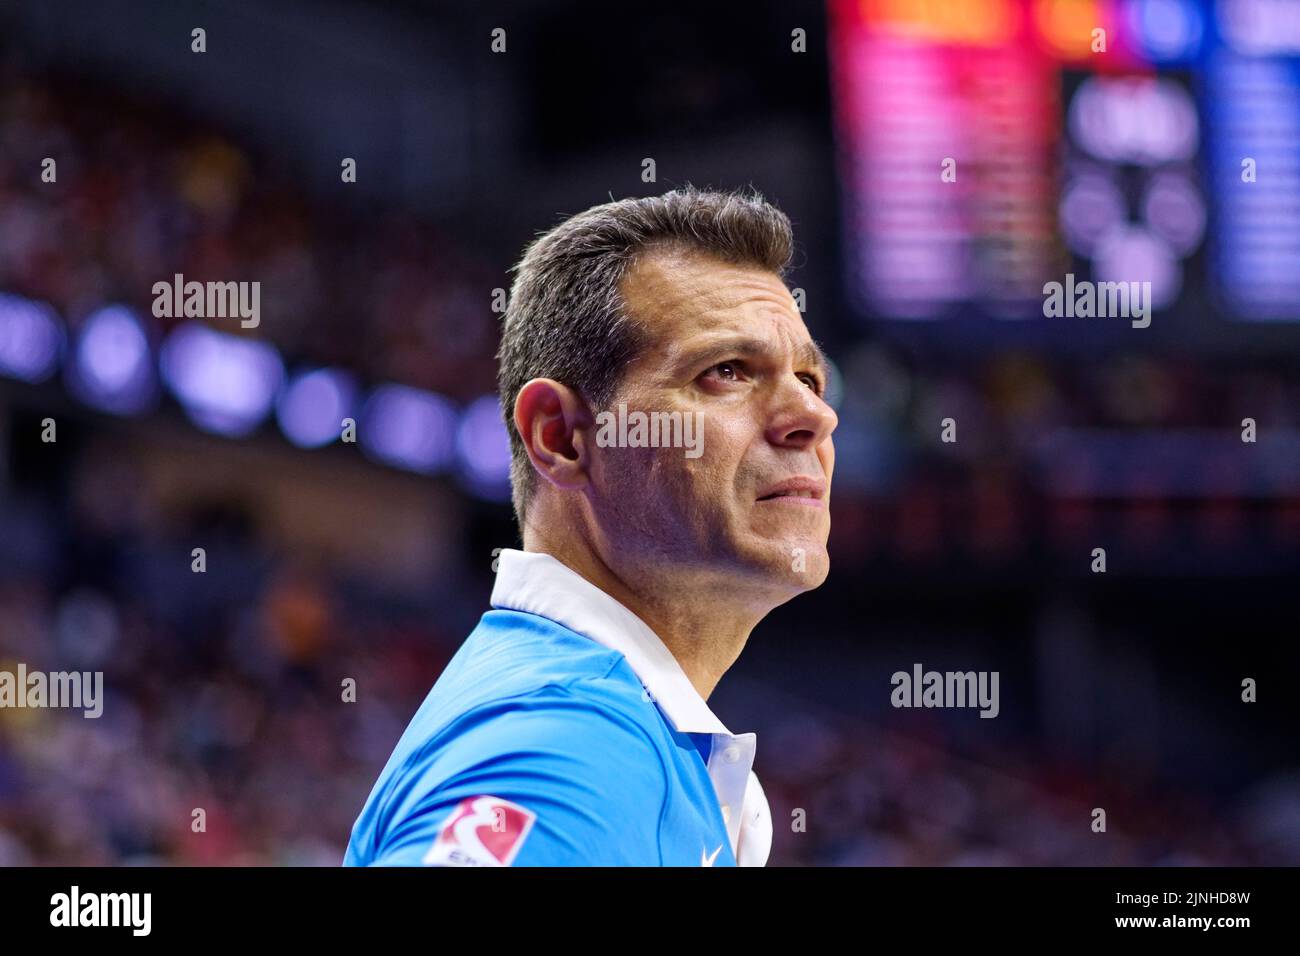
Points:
[(536, 583)]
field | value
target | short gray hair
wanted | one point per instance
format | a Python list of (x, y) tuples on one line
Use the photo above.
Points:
[(566, 318)]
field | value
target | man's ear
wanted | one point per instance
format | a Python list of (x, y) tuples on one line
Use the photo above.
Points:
[(551, 419)]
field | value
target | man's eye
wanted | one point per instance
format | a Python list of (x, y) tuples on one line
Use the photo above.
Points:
[(813, 382), (727, 371)]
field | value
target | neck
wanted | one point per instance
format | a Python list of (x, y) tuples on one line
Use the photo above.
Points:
[(699, 619)]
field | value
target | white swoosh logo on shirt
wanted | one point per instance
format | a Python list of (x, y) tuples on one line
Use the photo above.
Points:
[(708, 860)]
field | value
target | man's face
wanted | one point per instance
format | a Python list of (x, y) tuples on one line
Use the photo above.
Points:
[(729, 343)]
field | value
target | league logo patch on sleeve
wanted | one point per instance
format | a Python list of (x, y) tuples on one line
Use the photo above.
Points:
[(481, 831)]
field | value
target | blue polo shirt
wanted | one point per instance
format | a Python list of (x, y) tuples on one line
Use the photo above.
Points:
[(563, 733)]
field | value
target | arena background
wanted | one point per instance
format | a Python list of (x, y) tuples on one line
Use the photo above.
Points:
[(328, 560)]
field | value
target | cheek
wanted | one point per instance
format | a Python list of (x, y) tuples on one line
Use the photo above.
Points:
[(826, 453), (701, 477), (688, 481), (726, 443)]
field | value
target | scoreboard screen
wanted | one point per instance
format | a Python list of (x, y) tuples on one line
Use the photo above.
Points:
[(990, 147)]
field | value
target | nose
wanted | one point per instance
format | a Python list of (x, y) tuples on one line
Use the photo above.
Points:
[(800, 418)]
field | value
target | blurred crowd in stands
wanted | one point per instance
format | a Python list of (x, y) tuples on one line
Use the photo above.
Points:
[(144, 193)]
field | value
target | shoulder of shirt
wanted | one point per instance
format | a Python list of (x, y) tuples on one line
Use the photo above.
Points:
[(512, 654), (580, 717), (515, 662)]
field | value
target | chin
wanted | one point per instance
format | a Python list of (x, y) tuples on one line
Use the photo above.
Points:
[(799, 572), (818, 568)]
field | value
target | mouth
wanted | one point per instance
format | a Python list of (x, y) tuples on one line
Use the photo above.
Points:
[(805, 491)]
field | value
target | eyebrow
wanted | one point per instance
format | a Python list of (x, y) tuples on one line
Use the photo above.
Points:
[(810, 354)]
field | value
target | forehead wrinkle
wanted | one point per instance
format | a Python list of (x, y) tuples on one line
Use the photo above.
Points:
[(667, 278), (753, 291), (737, 312)]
